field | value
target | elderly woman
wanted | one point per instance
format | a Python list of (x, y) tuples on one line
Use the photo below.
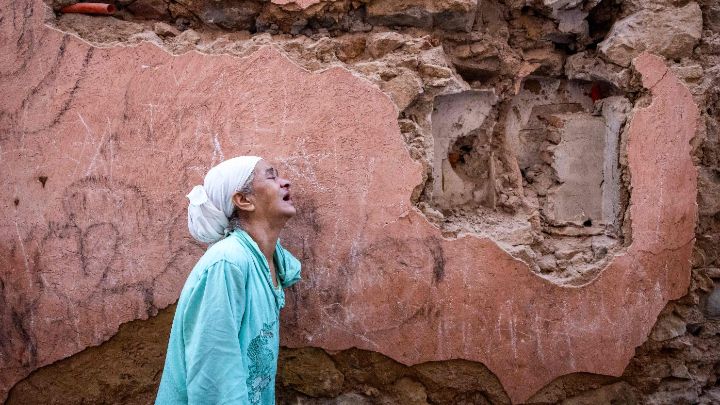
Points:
[(224, 339)]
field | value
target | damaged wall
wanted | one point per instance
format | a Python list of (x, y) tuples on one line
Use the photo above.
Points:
[(540, 185)]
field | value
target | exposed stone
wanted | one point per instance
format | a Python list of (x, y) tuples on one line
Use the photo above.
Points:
[(689, 73), (711, 396), (679, 370), (300, 3), (104, 29), (350, 47), (183, 17), (618, 393), (583, 66), (671, 32), (550, 61), (569, 386), (165, 30), (483, 58), (403, 88), (434, 57), (709, 195), (273, 19), (540, 98), (615, 111), (150, 9), (460, 376), (446, 14), (433, 63), (491, 19), (572, 20), (433, 72), (381, 43), (186, 41), (145, 36), (547, 263), (571, 17), (228, 14), (712, 305), (410, 392), (456, 116), (667, 327), (310, 371), (578, 198), (369, 368), (712, 16), (190, 37), (352, 398), (712, 272), (681, 394), (399, 13)]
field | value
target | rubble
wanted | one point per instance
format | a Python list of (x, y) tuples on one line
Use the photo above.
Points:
[(457, 15), (670, 32), (589, 67)]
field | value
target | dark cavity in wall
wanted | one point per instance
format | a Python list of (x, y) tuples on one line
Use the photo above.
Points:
[(601, 18)]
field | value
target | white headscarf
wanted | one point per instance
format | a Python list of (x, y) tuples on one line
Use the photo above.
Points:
[(211, 204)]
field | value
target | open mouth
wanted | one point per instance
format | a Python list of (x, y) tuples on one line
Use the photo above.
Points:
[(287, 197)]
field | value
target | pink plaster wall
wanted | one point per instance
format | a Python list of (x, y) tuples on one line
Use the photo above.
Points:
[(122, 133)]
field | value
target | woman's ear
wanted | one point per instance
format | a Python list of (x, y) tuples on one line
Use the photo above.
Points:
[(242, 202)]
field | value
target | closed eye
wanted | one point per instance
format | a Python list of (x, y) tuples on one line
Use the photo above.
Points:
[(271, 173)]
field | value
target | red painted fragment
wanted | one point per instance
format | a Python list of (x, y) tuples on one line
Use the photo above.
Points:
[(90, 8), (595, 92)]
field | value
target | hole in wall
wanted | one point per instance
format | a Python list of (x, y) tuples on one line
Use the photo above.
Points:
[(538, 173), (601, 19), (472, 73), (472, 159)]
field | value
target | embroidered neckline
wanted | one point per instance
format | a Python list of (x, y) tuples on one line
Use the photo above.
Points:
[(265, 267)]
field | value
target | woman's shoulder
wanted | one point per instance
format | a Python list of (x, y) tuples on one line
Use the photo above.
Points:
[(226, 251)]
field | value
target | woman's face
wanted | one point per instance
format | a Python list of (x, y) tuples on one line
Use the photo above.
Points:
[(270, 194)]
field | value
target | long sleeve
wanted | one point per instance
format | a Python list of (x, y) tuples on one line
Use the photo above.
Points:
[(216, 373)]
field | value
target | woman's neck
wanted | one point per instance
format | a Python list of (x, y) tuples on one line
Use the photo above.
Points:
[(265, 236)]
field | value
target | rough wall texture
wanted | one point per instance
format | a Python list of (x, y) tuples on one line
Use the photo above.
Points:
[(540, 189)]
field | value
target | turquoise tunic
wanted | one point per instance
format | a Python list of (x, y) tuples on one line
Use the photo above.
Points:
[(225, 336)]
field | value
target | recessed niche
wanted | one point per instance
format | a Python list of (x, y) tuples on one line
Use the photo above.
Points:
[(540, 173)]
